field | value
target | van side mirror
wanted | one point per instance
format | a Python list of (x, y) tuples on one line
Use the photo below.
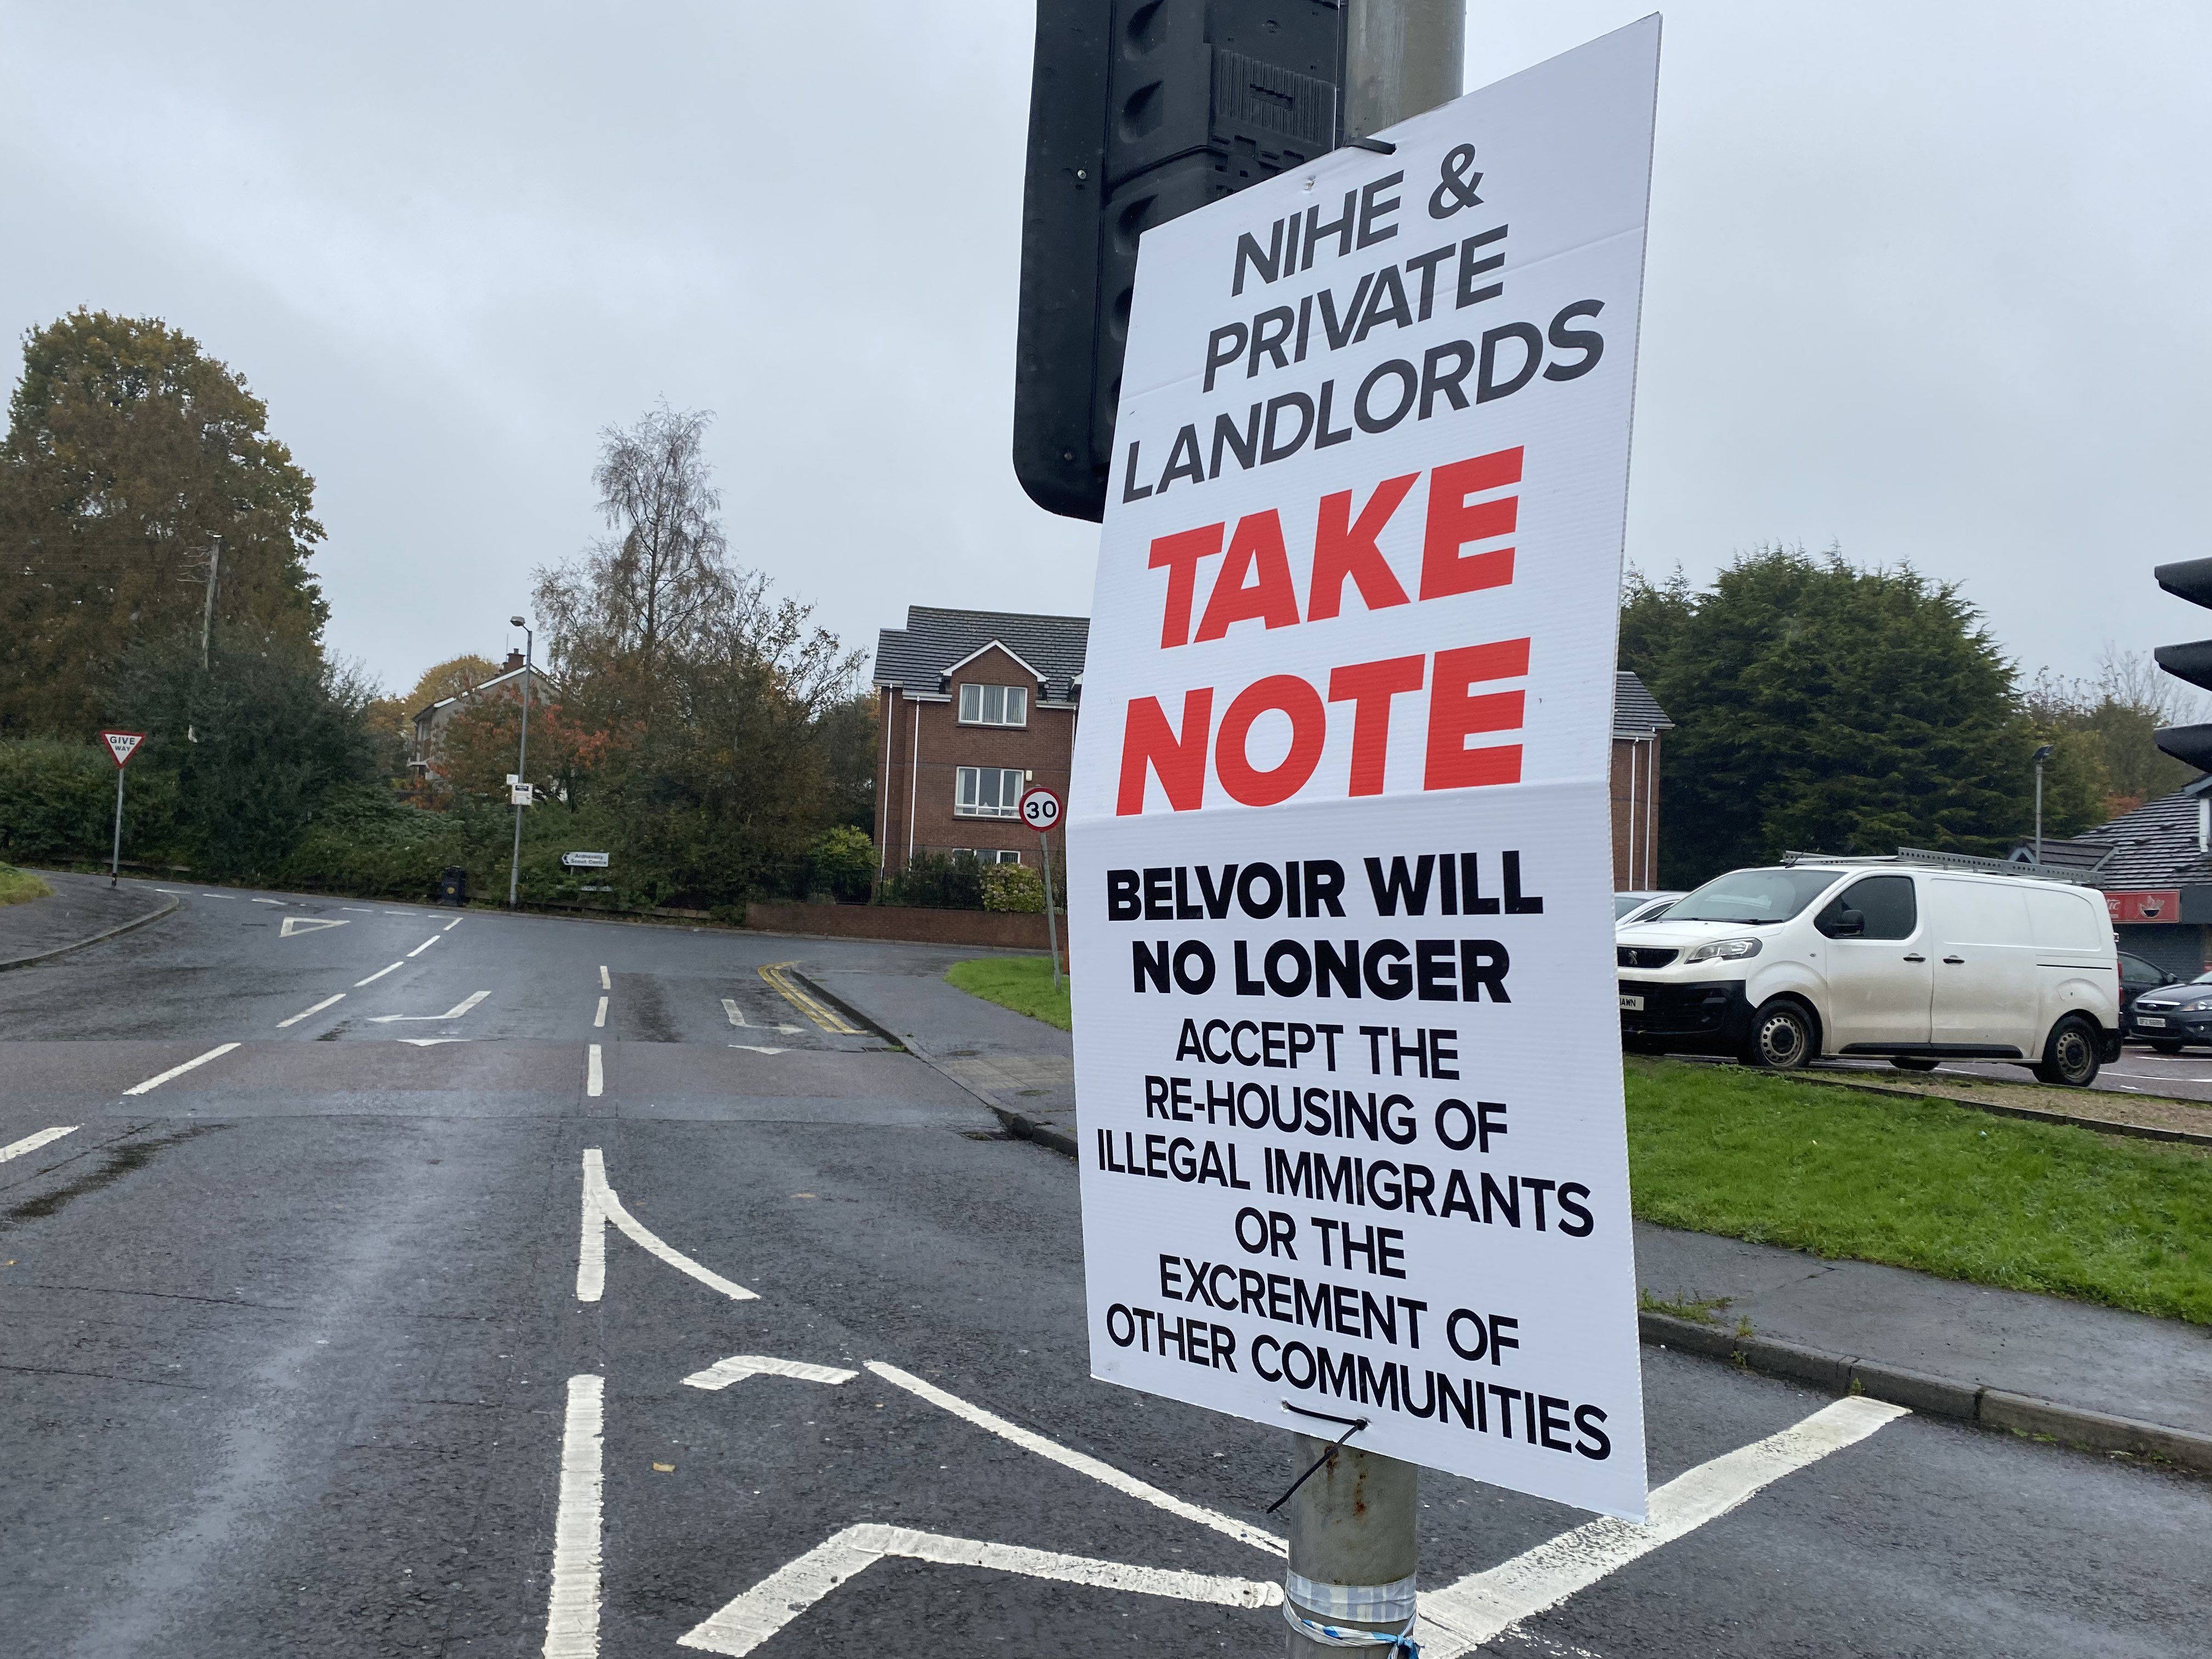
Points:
[(1847, 924)]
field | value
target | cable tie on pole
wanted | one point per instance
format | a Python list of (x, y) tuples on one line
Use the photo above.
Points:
[(1357, 1423)]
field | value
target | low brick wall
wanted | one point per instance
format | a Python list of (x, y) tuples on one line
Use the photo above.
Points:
[(1005, 929)]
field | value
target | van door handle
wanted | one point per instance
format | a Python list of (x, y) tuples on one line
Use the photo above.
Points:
[(1916, 956), (1955, 960)]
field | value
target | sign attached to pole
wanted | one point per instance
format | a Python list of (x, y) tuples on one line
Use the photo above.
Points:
[(123, 744), (1040, 809), (522, 794), (585, 861), (1340, 850)]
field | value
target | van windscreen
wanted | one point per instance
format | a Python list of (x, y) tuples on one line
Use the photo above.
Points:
[(1753, 896)]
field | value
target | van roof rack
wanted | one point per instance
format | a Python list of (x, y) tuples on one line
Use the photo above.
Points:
[(1968, 861)]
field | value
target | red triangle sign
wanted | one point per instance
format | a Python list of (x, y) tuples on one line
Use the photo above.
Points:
[(123, 744)]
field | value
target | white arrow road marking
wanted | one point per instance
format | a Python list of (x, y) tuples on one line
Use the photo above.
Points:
[(293, 925), (454, 1012), (304, 1012), (32, 1143), (572, 1604), (602, 1205), (760, 1612), (759, 1048), (1479, 1607), (739, 1366), (1081, 1462), (429, 1043), (424, 945), (157, 1080), (377, 976)]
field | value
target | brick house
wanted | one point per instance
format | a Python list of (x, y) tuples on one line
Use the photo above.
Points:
[(1637, 720), (975, 705), (430, 723)]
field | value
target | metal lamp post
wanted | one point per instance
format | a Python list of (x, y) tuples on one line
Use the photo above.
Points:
[(2041, 756), (521, 764)]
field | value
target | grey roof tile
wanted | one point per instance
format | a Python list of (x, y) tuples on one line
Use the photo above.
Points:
[(917, 656), (2153, 846), (1636, 712)]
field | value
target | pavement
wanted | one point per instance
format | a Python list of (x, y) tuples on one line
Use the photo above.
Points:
[(81, 910), (378, 1281)]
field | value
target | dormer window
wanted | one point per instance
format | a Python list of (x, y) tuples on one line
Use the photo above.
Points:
[(994, 705)]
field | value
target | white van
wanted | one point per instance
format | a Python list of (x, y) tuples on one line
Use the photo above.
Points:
[(1914, 962)]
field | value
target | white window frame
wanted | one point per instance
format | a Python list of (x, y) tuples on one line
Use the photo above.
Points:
[(975, 701), (968, 792)]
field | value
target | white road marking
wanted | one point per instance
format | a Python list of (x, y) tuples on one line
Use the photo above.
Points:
[(32, 1143), (429, 1043), (304, 1012), (748, 1620), (1081, 1462), (424, 945), (454, 1012), (295, 925), (377, 976), (454, 923), (606, 984), (1483, 1606), (218, 895), (595, 1073), (739, 1366), (730, 1007), (152, 1082), (759, 1048), (262, 901), (572, 1604), (174, 892), (599, 1019), (601, 1206), (357, 910)]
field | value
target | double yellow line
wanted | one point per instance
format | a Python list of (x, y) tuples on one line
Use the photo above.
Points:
[(776, 973)]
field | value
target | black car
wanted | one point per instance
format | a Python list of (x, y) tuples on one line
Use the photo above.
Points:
[(2137, 977), (2170, 1016)]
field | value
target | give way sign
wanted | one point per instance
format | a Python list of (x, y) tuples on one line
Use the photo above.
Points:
[(123, 744)]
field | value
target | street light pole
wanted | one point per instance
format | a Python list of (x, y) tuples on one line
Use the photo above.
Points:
[(521, 762), (1353, 1544)]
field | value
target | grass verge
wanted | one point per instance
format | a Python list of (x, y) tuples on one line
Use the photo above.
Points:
[(17, 885), (1942, 1188), (1021, 983)]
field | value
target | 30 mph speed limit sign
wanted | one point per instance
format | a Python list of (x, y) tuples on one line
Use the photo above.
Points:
[(1040, 809)]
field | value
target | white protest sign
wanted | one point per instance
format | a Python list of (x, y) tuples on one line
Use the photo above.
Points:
[(1340, 853), (122, 745)]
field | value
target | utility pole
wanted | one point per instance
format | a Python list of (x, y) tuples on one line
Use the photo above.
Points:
[(1351, 1523), (2041, 756), (207, 611), (521, 763)]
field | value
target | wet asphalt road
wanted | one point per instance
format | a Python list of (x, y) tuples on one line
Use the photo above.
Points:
[(287, 1346)]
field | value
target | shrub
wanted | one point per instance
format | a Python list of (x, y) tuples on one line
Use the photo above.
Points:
[(58, 803), (1013, 887), (936, 883), (844, 861)]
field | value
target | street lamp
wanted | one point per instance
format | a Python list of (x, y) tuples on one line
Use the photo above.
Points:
[(2041, 756), (522, 765)]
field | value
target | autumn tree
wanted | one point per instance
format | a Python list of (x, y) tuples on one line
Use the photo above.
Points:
[(129, 452)]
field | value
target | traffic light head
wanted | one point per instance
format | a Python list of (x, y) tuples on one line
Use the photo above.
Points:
[(2190, 580), (1139, 111)]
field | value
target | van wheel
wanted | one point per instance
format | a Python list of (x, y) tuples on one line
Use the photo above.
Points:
[(1781, 1037), (2069, 1057), (1913, 1063), (2165, 1048)]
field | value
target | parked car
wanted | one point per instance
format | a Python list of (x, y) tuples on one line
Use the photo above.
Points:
[(2171, 1016), (1914, 962), (2137, 977), (1628, 907)]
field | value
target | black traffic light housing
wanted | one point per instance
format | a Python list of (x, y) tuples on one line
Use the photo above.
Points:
[(2190, 580), (1139, 111)]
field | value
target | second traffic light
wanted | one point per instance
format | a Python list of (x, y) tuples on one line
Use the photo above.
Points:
[(2190, 580), (1139, 111)]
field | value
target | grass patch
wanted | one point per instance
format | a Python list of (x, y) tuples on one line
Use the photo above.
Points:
[(1942, 1188), (17, 885), (1021, 983)]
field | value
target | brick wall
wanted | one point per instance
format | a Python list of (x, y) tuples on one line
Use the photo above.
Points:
[(1005, 930), (924, 744), (1636, 773)]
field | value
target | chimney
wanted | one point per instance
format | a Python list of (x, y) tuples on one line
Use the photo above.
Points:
[(2204, 824), (513, 660)]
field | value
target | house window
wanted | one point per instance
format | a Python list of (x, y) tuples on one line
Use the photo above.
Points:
[(994, 705), (989, 792)]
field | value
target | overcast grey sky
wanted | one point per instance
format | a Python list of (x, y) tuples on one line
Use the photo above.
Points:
[(1926, 281)]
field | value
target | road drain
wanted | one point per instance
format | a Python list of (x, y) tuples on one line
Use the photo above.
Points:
[(117, 1159)]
